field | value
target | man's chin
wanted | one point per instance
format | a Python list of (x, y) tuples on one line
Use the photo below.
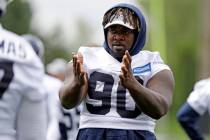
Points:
[(119, 53)]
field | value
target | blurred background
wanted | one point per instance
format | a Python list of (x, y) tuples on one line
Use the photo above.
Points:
[(179, 30)]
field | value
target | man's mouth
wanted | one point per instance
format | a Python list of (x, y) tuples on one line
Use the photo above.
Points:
[(119, 47)]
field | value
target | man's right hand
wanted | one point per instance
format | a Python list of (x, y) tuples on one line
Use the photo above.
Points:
[(80, 76), (75, 86)]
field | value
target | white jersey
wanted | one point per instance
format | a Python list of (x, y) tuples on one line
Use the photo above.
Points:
[(52, 86), (22, 105), (108, 104), (69, 123), (62, 124), (199, 98)]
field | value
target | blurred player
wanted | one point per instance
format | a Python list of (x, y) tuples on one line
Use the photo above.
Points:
[(51, 88), (56, 68), (67, 120), (196, 105), (22, 99), (52, 85), (62, 124)]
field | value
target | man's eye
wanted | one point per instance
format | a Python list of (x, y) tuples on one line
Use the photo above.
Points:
[(123, 32), (127, 31), (112, 31)]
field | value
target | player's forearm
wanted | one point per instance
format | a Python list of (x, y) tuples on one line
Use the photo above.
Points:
[(150, 102), (71, 95)]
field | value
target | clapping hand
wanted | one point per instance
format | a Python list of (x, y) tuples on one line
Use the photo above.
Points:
[(78, 69), (126, 75)]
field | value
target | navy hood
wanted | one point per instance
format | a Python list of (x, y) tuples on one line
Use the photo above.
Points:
[(141, 37)]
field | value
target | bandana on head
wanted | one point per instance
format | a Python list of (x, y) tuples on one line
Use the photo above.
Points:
[(121, 16)]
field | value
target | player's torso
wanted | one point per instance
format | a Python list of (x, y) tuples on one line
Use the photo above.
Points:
[(67, 120), (108, 103), (15, 72)]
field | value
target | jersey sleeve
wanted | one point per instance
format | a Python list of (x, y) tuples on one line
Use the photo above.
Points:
[(158, 64), (199, 98)]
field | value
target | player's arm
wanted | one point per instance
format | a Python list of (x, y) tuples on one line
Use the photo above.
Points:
[(188, 119), (74, 88), (154, 99)]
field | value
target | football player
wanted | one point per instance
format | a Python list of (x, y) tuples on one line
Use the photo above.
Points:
[(62, 123), (51, 88), (123, 89), (65, 123), (22, 106), (196, 105)]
